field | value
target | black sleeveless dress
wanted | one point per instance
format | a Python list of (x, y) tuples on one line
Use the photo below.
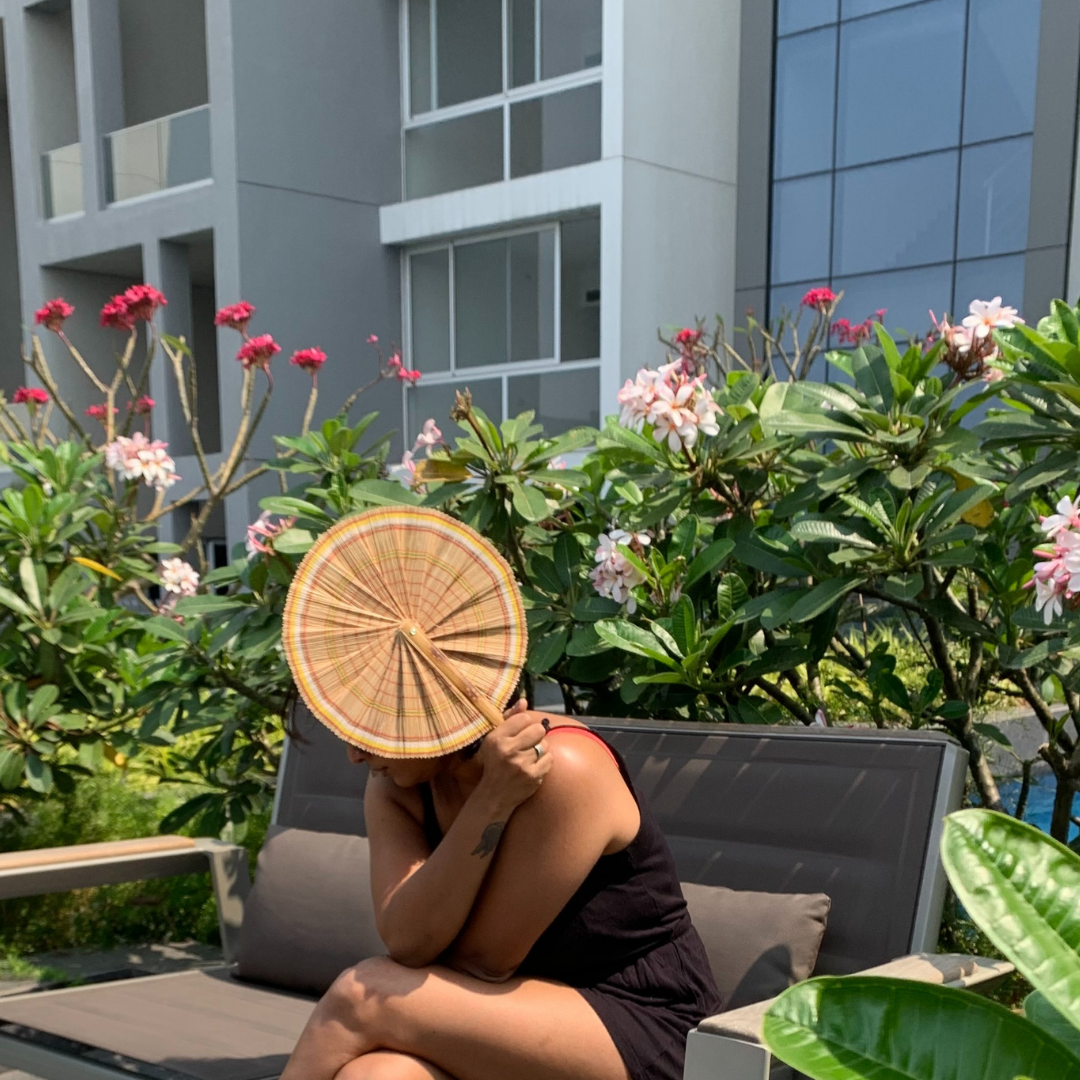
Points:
[(624, 941)]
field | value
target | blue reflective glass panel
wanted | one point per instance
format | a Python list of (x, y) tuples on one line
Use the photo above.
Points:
[(995, 190), (983, 279), (902, 213), (800, 228), (907, 296), (787, 297), (900, 80), (851, 9), (795, 15), (1002, 60), (805, 91)]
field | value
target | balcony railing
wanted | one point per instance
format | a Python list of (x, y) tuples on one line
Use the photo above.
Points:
[(61, 175), (157, 155)]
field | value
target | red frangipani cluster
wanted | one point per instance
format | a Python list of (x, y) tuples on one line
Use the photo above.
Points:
[(125, 309), (30, 396), (402, 373), (142, 406), (821, 298), (235, 316), (99, 412), (848, 333), (309, 360), (52, 314), (257, 352)]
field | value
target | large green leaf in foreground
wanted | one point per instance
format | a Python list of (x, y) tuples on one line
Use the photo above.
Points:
[(1023, 889), (861, 1027)]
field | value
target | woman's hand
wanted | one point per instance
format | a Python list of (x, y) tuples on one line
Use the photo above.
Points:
[(513, 770)]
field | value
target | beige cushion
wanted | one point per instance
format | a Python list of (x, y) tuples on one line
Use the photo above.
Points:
[(309, 915), (758, 943)]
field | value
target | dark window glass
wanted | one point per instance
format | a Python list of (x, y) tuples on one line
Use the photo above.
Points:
[(902, 213), (805, 91), (570, 37), (800, 228), (420, 56), (561, 399), (522, 33), (1002, 62), (983, 279), (795, 15), (899, 87), (579, 309), (454, 154), (468, 45), (995, 190), (555, 131), (431, 400), (788, 297), (429, 284), (907, 295)]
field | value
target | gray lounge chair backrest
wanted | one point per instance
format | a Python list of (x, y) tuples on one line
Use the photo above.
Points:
[(854, 814)]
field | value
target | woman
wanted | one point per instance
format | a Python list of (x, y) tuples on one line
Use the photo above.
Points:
[(533, 920)]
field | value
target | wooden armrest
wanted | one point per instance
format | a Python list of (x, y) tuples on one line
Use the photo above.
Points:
[(22, 860), (48, 870), (945, 969)]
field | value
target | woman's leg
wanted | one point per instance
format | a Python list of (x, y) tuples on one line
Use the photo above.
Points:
[(388, 1065), (473, 1030)]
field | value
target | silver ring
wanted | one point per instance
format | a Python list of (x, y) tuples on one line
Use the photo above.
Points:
[(539, 751)]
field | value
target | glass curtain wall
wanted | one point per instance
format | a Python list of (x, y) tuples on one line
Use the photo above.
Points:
[(499, 89), (902, 153)]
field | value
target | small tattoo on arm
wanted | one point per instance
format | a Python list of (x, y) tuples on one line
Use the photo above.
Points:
[(489, 839)]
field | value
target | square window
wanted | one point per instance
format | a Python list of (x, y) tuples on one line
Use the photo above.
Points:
[(803, 109), (995, 194), (561, 399), (555, 131), (902, 213), (983, 279), (435, 400), (454, 154), (908, 296), (468, 50), (802, 216), (570, 36), (900, 81)]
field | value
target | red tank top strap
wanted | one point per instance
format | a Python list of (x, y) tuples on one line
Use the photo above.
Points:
[(591, 734)]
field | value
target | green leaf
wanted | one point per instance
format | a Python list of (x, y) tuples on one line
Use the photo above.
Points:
[(530, 502), (207, 605), (165, 628), (44, 697), (1041, 1013), (293, 542), (567, 558), (11, 769), (684, 625), (822, 531), (28, 577), (772, 608), (872, 377), (595, 607), (821, 597), (545, 652), (1023, 889), (708, 560), (15, 602), (382, 493), (992, 731), (289, 506), (858, 1026), (39, 774), (730, 595), (634, 639)]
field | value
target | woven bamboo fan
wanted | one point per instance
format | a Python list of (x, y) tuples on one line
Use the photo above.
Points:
[(405, 632)]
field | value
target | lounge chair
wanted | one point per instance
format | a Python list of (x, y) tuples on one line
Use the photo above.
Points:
[(854, 815)]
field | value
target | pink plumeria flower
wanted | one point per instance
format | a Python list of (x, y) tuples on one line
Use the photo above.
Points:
[(987, 315), (405, 473), (1067, 517), (179, 577), (262, 532), (430, 436), (139, 458)]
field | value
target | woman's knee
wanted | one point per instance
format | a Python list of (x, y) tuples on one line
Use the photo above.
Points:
[(387, 1065), (361, 996)]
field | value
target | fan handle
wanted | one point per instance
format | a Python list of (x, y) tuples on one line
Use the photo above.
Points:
[(451, 673)]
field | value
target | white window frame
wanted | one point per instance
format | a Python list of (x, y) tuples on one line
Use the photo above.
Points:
[(504, 371), (504, 100)]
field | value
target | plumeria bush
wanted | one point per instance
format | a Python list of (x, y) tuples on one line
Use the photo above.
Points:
[(738, 544)]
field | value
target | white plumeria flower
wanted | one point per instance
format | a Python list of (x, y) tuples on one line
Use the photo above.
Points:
[(1067, 517), (987, 315), (621, 536), (405, 473), (179, 577), (1048, 600), (137, 458)]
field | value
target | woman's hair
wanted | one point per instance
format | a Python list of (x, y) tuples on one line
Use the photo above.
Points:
[(470, 751)]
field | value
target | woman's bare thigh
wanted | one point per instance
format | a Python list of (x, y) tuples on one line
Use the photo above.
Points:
[(528, 1029)]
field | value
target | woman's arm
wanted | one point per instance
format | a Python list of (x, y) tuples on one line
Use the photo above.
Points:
[(423, 897), (552, 842)]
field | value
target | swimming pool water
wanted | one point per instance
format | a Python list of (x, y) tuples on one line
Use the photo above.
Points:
[(1040, 805)]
